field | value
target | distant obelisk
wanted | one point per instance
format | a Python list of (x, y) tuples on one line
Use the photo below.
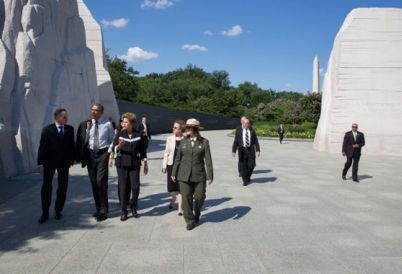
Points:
[(316, 75)]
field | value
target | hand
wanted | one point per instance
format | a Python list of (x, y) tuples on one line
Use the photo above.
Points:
[(110, 162), (210, 181), (355, 146), (120, 145), (233, 154), (41, 169), (343, 154), (145, 168), (258, 154), (173, 178), (163, 170), (89, 122)]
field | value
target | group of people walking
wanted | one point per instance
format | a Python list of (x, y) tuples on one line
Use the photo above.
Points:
[(187, 162)]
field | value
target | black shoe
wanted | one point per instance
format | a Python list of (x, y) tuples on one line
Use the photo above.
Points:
[(343, 177), (355, 180), (101, 217), (58, 216), (134, 212), (96, 213), (43, 219), (196, 219), (170, 207), (190, 226), (180, 214), (123, 217)]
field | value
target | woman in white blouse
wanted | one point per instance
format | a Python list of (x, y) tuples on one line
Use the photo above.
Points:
[(172, 145)]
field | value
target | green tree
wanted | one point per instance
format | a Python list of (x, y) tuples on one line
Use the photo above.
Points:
[(311, 107), (124, 79)]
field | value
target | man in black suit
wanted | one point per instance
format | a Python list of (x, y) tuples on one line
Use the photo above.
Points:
[(144, 128), (56, 152), (281, 132), (246, 142), (351, 148), (94, 142)]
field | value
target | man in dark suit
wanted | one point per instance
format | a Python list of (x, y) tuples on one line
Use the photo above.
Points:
[(281, 132), (56, 152), (246, 142), (94, 142), (144, 128), (351, 148)]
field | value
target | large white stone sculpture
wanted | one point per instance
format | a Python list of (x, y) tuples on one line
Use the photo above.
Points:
[(363, 83), (45, 64)]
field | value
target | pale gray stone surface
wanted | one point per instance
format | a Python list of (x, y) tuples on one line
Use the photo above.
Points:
[(363, 83), (45, 63), (296, 216)]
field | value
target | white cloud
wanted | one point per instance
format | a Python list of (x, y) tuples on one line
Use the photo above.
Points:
[(158, 4), (207, 32), (288, 85), (322, 72), (117, 23), (234, 31), (136, 55), (194, 47)]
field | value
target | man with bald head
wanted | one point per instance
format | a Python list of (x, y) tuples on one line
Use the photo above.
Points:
[(351, 148)]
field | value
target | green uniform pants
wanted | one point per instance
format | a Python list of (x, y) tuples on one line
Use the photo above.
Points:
[(190, 191)]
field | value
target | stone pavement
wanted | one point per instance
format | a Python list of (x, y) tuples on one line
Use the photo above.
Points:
[(296, 216)]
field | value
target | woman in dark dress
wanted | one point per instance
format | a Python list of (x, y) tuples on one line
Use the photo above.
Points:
[(172, 145), (129, 145)]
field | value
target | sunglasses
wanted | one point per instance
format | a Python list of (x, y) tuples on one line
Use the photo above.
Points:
[(354, 127)]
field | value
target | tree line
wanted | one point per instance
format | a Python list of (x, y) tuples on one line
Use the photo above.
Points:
[(193, 89)]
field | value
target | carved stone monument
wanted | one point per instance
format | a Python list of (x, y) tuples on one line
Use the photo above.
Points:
[(363, 83), (45, 64)]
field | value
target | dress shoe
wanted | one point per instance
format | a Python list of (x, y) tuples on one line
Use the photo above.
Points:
[(134, 212), (96, 213), (123, 217), (101, 217), (196, 219), (343, 177), (43, 219), (180, 214), (58, 216), (245, 183), (170, 207), (190, 226), (355, 180)]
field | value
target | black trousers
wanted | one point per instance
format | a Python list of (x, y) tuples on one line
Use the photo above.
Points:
[(247, 163), (47, 189), (280, 137), (98, 171), (129, 178), (355, 168), (118, 188)]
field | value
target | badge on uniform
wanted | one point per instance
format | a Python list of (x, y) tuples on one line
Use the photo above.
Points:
[(200, 146)]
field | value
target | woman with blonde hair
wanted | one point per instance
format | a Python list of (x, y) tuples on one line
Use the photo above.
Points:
[(172, 146), (129, 145)]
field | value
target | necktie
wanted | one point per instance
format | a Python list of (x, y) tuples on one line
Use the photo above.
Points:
[(247, 140), (61, 131), (96, 138)]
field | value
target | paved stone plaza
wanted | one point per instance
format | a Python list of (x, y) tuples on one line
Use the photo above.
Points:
[(296, 216)]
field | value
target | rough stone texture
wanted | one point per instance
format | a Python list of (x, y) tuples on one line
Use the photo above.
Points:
[(363, 83), (45, 64)]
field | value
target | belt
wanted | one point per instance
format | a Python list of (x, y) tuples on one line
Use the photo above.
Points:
[(101, 151)]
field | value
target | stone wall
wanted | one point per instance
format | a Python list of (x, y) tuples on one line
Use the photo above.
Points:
[(45, 63), (363, 83)]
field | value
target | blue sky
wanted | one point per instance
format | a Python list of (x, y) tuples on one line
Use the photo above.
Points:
[(268, 42)]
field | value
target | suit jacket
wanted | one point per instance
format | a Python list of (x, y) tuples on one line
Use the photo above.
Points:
[(238, 142), (279, 130), (349, 140), (141, 129), (190, 162), (133, 150), (56, 151), (169, 151), (82, 150)]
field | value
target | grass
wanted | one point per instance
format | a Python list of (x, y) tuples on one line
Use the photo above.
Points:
[(270, 129)]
